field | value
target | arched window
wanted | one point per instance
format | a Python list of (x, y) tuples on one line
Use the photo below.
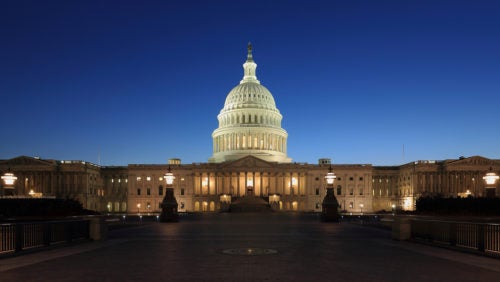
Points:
[(196, 206), (212, 206), (339, 189)]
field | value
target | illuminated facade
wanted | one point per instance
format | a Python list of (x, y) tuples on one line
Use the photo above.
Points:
[(249, 160)]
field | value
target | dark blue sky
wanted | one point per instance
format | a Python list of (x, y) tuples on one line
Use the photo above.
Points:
[(143, 81)]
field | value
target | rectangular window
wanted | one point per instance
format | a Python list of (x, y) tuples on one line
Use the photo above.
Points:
[(317, 191), (138, 191), (160, 191), (351, 192), (339, 190), (182, 191), (148, 191), (361, 191)]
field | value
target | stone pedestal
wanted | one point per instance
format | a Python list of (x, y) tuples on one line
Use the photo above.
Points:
[(401, 229), (330, 207), (98, 229), (169, 207)]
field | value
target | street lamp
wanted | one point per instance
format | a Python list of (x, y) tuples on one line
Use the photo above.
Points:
[(490, 178), (330, 205), (138, 208), (8, 179), (169, 204), (169, 177), (393, 209), (361, 207), (330, 177)]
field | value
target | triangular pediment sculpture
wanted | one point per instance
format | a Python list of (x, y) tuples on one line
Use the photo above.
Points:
[(247, 162), (26, 161), (474, 160)]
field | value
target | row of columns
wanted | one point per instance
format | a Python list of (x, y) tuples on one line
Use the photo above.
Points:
[(451, 182), (243, 141), (260, 183), (248, 118)]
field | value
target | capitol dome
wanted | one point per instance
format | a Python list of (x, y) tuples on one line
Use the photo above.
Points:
[(249, 122)]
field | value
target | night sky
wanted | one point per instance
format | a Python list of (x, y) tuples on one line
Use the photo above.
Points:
[(379, 82)]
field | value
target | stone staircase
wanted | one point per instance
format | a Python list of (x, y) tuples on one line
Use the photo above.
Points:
[(250, 204)]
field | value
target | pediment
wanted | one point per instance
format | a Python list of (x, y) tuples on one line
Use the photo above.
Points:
[(248, 162), (474, 160), (26, 161)]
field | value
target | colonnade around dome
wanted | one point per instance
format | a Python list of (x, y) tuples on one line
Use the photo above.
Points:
[(249, 141), (233, 119)]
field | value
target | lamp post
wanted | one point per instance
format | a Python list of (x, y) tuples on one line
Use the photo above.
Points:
[(393, 209), (361, 206), (330, 205), (9, 179), (169, 204), (138, 208), (491, 179)]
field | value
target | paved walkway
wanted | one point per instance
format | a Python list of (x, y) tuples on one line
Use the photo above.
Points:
[(196, 250)]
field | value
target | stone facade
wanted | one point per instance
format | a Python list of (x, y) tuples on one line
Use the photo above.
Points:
[(249, 160), (209, 187), (402, 185)]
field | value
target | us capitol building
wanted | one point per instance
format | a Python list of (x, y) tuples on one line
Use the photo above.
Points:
[(249, 160)]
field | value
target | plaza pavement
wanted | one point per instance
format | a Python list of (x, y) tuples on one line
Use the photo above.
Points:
[(261, 247)]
